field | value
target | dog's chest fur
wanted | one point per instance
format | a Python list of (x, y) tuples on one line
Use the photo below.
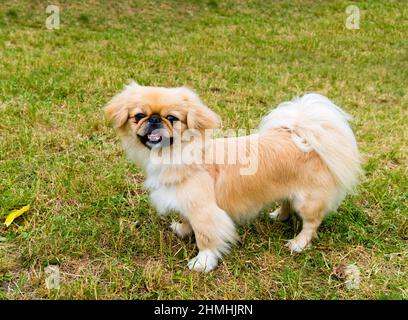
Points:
[(163, 195)]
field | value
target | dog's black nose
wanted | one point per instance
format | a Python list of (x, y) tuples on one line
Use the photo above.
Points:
[(155, 119)]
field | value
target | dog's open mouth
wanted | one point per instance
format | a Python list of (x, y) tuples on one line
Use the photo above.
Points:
[(155, 138)]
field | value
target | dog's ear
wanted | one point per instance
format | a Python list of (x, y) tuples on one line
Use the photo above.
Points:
[(199, 116), (117, 110)]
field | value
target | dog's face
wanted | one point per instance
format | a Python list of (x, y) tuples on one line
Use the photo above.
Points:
[(153, 115)]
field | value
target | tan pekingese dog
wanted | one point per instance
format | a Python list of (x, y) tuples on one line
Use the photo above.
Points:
[(304, 156)]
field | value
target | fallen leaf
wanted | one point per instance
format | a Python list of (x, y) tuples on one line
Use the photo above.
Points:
[(352, 277), (339, 272), (14, 214), (350, 274)]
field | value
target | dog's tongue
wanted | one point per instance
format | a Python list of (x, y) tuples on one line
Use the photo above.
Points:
[(154, 137)]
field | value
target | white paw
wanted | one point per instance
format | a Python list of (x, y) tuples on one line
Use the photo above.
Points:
[(205, 261), (182, 230), (176, 228), (275, 214), (278, 215), (296, 245)]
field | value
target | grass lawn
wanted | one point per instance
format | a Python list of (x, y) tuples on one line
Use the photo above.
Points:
[(89, 213)]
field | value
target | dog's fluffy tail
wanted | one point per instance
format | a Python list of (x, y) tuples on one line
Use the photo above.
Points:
[(318, 124)]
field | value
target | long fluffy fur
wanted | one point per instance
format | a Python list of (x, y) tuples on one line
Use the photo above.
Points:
[(318, 124), (306, 159)]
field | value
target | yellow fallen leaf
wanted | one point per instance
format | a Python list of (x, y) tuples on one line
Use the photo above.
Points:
[(14, 214)]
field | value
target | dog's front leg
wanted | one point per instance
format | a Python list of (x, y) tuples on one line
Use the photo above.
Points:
[(213, 228), (181, 229), (214, 232)]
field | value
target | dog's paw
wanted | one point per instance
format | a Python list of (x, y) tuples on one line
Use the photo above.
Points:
[(297, 245), (180, 229), (277, 215), (205, 261), (176, 228)]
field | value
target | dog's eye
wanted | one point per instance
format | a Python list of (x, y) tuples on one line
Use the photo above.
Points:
[(139, 117), (171, 118)]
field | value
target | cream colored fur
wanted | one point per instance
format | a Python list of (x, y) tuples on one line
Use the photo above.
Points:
[(306, 153)]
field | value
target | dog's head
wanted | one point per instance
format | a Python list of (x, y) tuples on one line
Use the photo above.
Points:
[(153, 115)]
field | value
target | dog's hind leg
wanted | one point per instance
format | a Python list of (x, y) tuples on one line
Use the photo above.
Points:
[(282, 213), (312, 212)]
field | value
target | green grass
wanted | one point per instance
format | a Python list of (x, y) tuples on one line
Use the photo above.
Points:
[(89, 213)]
